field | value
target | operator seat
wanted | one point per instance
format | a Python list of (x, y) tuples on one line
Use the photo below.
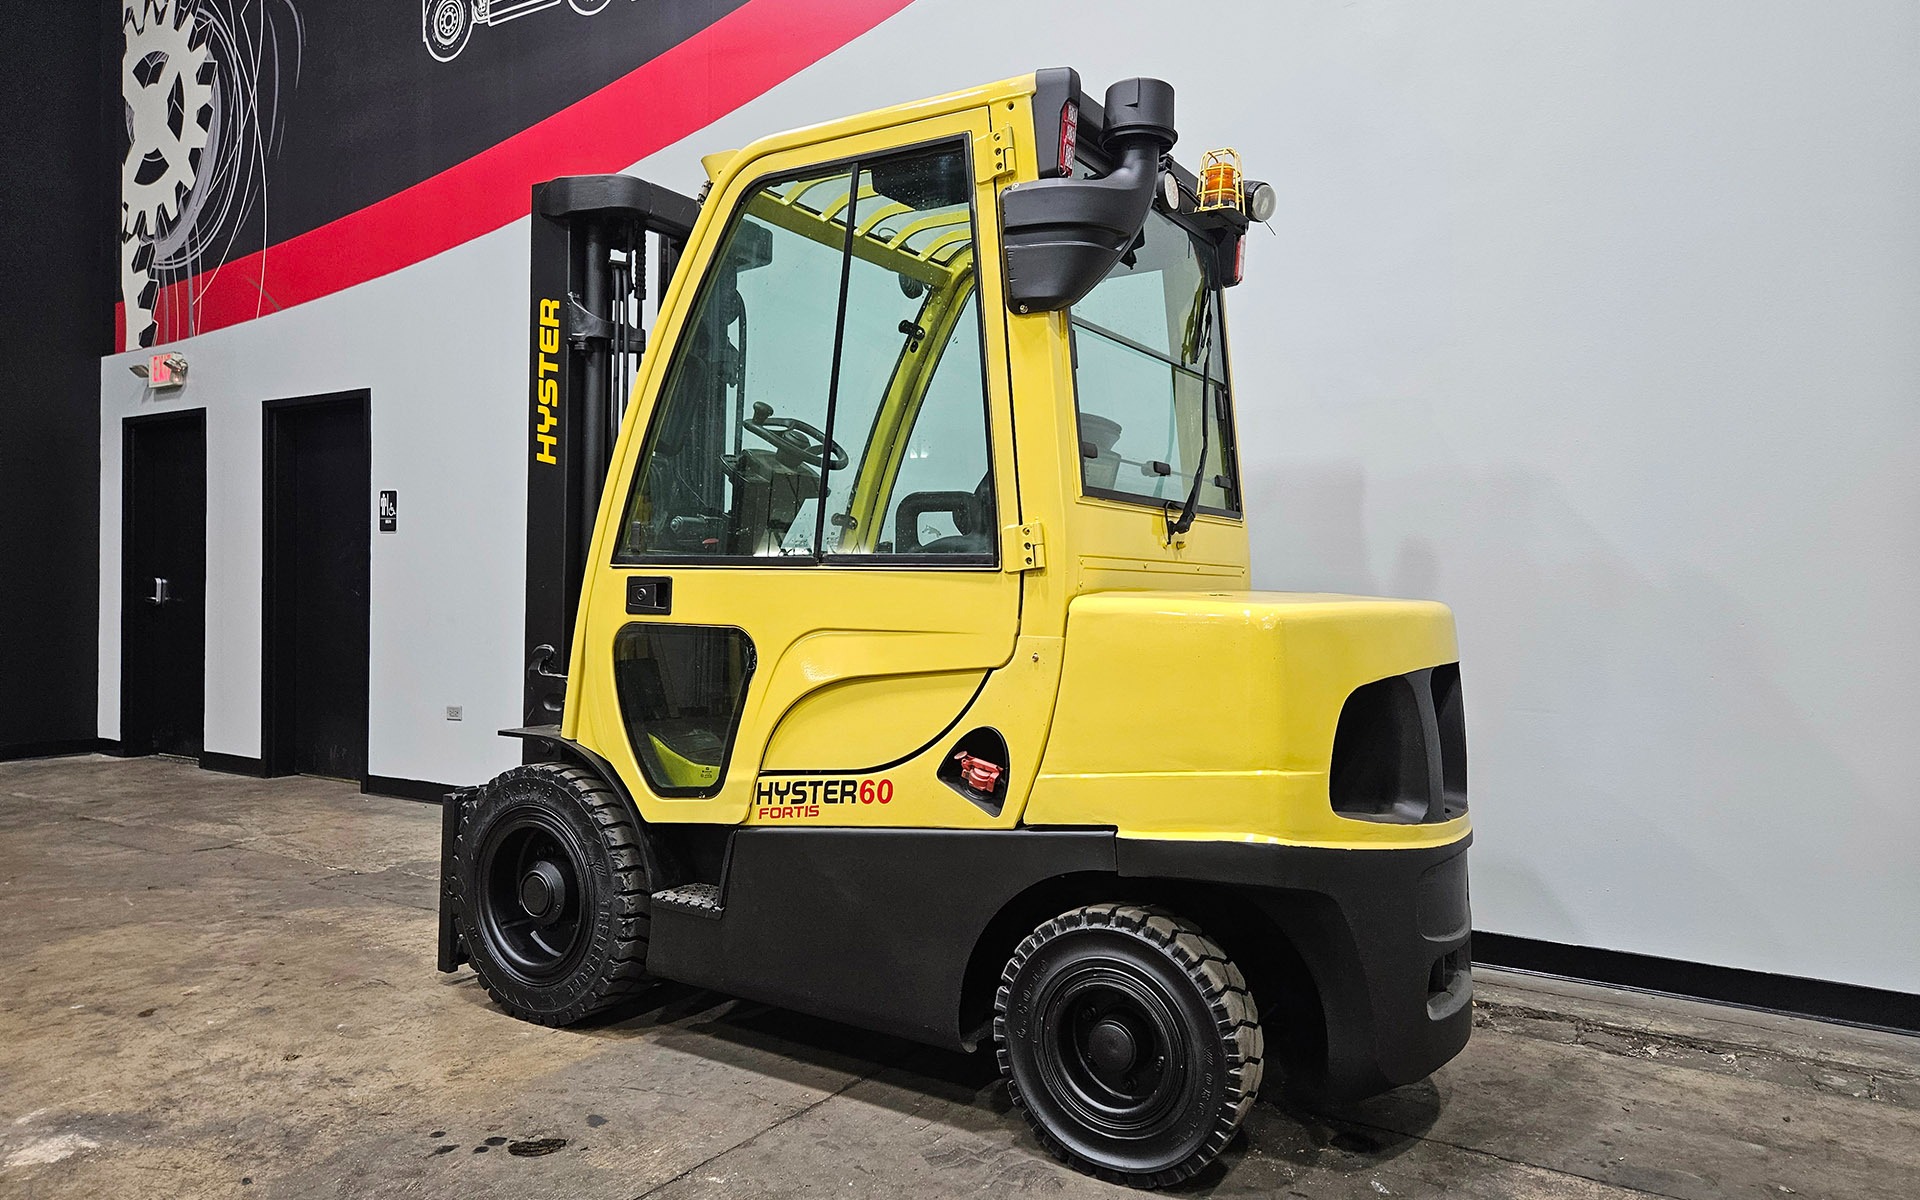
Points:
[(972, 516)]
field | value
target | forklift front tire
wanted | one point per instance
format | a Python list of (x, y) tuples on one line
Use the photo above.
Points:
[(1130, 1041), (554, 879)]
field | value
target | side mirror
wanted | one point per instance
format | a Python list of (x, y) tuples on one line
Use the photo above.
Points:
[(1062, 236)]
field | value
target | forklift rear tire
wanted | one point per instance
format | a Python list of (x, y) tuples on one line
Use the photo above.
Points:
[(1130, 1042), (554, 879)]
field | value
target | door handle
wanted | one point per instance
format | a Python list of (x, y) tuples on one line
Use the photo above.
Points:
[(649, 594), (162, 591)]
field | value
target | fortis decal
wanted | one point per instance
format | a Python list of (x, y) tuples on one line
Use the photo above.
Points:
[(546, 387), (792, 799)]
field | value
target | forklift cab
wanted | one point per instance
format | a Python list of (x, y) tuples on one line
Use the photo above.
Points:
[(823, 535)]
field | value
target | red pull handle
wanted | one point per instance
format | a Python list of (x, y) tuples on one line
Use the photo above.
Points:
[(979, 774)]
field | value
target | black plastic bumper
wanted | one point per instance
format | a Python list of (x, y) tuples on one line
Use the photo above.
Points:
[(1383, 933)]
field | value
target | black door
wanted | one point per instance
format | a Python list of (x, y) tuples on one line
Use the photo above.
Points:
[(163, 622), (314, 685)]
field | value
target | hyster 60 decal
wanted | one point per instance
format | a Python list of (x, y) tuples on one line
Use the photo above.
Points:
[(797, 799)]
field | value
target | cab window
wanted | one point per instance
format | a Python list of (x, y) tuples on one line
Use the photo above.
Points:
[(1150, 367), (827, 397)]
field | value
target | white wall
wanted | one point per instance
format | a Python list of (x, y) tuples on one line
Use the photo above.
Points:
[(1595, 320), (441, 346)]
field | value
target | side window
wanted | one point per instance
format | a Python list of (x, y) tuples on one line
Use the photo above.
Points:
[(735, 456), (911, 406), (827, 397), (681, 689), (942, 501), (1141, 352)]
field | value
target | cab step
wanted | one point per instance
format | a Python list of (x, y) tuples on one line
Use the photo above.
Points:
[(700, 899)]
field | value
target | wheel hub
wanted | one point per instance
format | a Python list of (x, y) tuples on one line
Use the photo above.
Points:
[(1112, 1048), (1112, 1051), (543, 892), (536, 895)]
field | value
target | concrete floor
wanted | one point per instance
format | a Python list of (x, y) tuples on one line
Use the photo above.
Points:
[(219, 986)]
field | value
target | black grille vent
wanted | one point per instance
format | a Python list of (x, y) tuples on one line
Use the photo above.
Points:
[(1400, 750)]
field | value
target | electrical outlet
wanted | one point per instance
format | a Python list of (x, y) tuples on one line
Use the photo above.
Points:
[(455, 712)]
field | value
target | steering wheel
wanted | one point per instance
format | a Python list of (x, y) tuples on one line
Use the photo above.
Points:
[(797, 442)]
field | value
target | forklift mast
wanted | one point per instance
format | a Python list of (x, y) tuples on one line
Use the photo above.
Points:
[(589, 251)]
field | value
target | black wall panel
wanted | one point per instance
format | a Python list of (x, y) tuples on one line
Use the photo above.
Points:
[(370, 110), (271, 119), (58, 202)]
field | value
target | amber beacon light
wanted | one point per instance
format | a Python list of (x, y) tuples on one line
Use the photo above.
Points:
[(1220, 179)]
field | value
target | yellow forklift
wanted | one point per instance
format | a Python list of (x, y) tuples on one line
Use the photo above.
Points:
[(891, 653)]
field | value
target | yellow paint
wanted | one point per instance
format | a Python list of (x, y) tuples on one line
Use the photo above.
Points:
[(1139, 685), (1211, 714), (868, 720), (1020, 698)]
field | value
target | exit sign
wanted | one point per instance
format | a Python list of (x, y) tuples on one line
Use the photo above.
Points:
[(166, 370)]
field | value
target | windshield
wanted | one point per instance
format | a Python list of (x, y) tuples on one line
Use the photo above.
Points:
[(1139, 353)]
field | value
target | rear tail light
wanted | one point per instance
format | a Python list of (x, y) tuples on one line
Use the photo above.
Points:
[(1239, 259), (1069, 136)]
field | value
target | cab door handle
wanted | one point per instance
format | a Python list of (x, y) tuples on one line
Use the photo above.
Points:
[(649, 594), (162, 591)]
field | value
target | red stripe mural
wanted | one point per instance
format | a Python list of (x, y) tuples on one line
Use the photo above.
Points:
[(694, 83)]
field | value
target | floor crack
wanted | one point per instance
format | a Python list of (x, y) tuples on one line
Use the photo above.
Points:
[(1499, 1157), (1497, 1009), (748, 1141)]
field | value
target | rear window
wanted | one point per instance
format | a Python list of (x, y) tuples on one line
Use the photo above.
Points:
[(1150, 379)]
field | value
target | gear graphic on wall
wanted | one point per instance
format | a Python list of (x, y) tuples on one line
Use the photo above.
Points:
[(167, 83)]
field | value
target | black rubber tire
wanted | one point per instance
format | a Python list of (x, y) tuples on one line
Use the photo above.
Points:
[(1213, 1052), (610, 869)]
